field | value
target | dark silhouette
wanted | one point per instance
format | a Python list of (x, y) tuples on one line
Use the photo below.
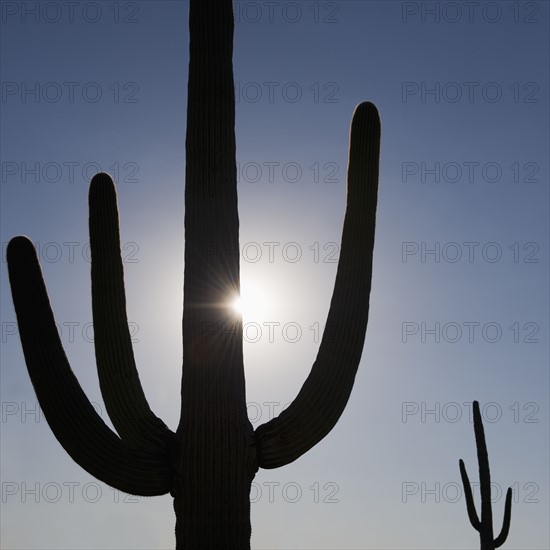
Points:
[(485, 526), (209, 463)]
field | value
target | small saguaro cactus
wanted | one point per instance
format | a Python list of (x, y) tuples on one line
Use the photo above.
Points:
[(485, 526), (209, 463)]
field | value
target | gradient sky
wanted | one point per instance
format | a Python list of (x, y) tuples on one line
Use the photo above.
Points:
[(459, 303)]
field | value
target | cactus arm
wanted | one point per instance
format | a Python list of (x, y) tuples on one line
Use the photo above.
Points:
[(324, 394), (501, 539), (72, 418), (470, 506), (118, 376)]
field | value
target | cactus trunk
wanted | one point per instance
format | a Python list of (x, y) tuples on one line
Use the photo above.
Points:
[(212, 496), (217, 460)]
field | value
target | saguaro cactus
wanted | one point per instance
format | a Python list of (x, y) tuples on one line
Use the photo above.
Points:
[(208, 464), (485, 526)]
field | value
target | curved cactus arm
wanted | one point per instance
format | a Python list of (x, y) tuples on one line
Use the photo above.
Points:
[(118, 377), (72, 418), (324, 394), (501, 539), (470, 506)]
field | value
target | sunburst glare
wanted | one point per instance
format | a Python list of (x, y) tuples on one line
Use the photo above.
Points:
[(252, 304)]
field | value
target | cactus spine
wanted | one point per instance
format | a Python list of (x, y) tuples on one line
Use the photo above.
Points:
[(485, 526), (208, 464)]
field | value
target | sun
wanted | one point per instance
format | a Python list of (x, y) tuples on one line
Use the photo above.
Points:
[(252, 304)]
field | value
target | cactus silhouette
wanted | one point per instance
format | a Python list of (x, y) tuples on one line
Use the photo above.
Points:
[(485, 526), (209, 463)]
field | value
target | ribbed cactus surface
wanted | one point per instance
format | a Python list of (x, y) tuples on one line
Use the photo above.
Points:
[(209, 463)]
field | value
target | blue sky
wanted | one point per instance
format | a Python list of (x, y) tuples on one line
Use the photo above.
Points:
[(459, 303)]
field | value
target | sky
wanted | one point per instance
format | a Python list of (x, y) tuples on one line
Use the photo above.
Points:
[(459, 302)]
